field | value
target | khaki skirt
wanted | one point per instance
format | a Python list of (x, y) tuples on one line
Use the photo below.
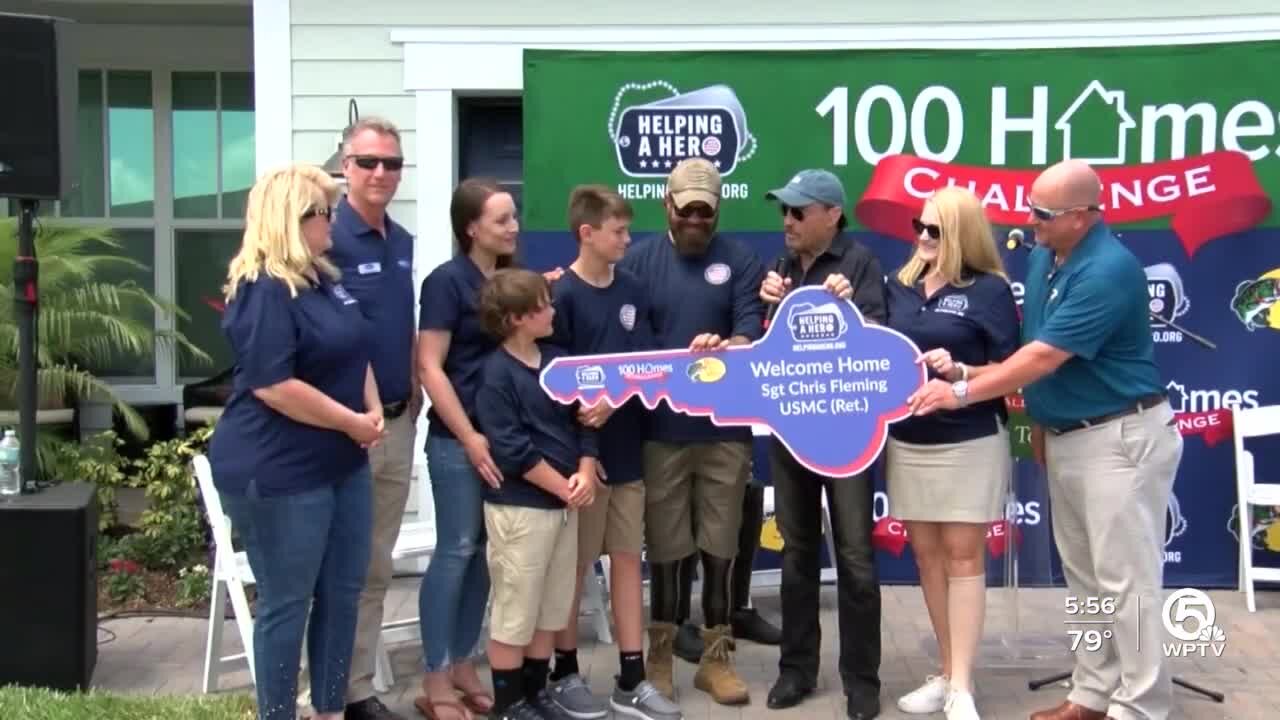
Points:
[(953, 482)]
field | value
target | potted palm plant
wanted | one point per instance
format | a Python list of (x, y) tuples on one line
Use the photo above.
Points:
[(85, 320)]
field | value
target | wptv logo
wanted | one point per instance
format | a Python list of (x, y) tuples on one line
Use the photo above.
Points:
[(1190, 619)]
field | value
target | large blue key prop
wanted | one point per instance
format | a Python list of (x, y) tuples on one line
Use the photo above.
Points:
[(824, 382)]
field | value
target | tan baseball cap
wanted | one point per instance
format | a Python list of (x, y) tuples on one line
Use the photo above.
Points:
[(694, 179)]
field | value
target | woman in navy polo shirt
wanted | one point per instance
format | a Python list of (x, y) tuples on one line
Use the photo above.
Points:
[(452, 349), (948, 472), (289, 454)]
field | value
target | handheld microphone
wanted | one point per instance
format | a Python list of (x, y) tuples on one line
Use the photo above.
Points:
[(1018, 239), (780, 267)]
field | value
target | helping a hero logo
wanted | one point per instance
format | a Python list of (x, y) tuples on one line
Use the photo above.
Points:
[(1256, 303), (652, 138), (816, 327), (1168, 301), (1175, 525)]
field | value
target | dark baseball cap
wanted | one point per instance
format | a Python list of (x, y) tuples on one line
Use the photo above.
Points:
[(808, 187)]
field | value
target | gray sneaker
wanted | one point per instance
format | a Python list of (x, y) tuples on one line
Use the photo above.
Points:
[(645, 702), (574, 698)]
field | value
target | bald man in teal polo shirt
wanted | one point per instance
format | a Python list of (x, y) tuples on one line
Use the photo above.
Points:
[(1104, 431)]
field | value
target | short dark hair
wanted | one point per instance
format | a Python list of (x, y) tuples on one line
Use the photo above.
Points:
[(593, 205), (511, 292)]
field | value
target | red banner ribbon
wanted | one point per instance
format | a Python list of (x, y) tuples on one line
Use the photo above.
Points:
[(1214, 425), (890, 535), (1206, 196)]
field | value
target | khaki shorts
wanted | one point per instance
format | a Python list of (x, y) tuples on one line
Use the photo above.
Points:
[(613, 523), (702, 480), (532, 555)]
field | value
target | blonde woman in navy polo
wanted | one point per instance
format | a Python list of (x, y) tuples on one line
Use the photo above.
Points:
[(948, 473), (290, 452)]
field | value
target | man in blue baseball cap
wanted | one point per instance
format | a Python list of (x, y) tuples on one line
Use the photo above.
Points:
[(819, 253)]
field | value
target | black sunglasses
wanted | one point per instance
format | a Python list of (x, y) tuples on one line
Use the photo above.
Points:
[(797, 213), (702, 210), (371, 162), (935, 231), (324, 212)]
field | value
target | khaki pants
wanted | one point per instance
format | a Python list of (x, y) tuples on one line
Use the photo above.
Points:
[(1109, 486), (693, 498), (392, 464), (533, 565)]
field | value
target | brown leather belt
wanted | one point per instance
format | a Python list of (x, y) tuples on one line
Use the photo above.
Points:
[(1146, 402)]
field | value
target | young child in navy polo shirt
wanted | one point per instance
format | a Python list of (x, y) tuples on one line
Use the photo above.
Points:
[(548, 464), (604, 309)]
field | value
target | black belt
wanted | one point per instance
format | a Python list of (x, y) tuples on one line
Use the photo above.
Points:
[(1146, 402), (395, 409)]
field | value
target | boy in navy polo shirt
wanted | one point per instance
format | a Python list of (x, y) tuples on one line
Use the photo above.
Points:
[(603, 309), (548, 464)]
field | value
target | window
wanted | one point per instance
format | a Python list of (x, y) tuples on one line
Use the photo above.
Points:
[(212, 170), (175, 207), (491, 143)]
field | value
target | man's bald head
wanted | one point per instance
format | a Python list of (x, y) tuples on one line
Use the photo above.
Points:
[(1068, 184), (1071, 189)]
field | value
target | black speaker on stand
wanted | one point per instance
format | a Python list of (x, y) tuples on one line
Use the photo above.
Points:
[(48, 538)]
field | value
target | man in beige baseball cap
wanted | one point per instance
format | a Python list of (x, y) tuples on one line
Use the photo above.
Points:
[(702, 290)]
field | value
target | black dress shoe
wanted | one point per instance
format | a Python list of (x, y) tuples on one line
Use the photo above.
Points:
[(862, 707), (688, 644), (788, 692), (370, 709), (750, 625)]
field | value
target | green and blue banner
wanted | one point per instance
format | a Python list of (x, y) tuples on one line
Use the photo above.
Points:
[(1185, 137)]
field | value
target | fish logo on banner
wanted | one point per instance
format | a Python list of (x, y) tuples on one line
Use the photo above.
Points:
[(653, 138), (1256, 303)]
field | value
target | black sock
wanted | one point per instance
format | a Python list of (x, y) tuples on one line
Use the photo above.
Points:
[(508, 689), (632, 666), (566, 664), (535, 676)]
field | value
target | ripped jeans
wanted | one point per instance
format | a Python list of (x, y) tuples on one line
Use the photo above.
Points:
[(455, 588)]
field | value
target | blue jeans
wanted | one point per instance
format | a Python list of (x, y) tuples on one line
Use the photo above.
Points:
[(455, 588), (309, 553)]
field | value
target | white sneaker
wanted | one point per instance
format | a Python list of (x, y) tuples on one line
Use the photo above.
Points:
[(930, 697), (960, 706)]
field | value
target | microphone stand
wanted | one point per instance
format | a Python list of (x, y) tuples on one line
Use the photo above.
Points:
[(1017, 240)]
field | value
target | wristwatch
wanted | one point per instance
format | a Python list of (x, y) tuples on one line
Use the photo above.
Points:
[(960, 389)]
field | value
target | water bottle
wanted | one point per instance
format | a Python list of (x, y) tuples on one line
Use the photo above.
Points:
[(10, 473)]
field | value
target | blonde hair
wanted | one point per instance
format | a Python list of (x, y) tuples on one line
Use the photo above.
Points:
[(273, 242), (966, 242)]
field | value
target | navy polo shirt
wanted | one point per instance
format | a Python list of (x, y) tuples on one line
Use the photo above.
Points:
[(448, 303), (321, 338), (1095, 307), (377, 269), (978, 324), (718, 292), (594, 320), (524, 425)]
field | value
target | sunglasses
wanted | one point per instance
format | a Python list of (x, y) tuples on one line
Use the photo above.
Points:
[(702, 210), (796, 213), (1045, 214), (935, 231), (324, 212), (371, 162)]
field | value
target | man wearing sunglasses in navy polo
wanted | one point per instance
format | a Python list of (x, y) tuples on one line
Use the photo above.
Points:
[(375, 255), (1104, 431), (818, 252), (702, 289)]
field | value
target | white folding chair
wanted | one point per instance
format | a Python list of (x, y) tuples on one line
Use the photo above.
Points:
[(1247, 423), (416, 540), (231, 573)]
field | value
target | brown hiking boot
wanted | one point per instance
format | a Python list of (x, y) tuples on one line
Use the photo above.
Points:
[(716, 675), (657, 667)]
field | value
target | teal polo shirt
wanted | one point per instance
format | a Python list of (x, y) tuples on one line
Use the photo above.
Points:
[(1094, 307)]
